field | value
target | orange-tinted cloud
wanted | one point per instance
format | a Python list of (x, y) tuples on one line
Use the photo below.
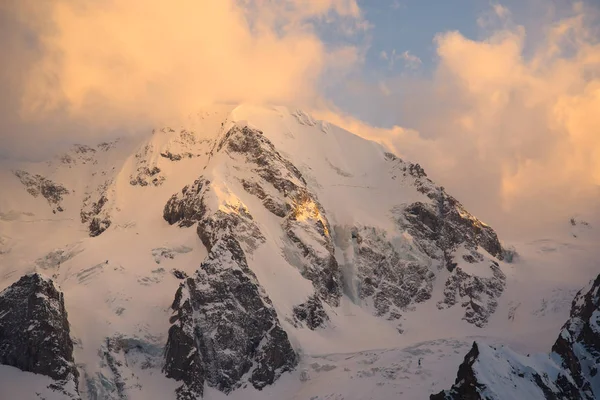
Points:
[(513, 132), (113, 62)]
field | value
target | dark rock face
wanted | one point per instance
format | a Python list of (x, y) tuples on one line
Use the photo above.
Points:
[(570, 372), (188, 208), (578, 344), (147, 173), (392, 280), (448, 225), (449, 235), (302, 214), (523, 382), (311, 313), (38, 185), (182, 358), (34, 332), (224, 325), (466, 386), (96, 213), (479, 294)]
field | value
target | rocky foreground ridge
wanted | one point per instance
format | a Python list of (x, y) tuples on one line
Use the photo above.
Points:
[(570, 371)]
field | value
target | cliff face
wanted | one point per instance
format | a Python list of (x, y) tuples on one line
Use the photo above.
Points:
[(35, 334), (569, 372)]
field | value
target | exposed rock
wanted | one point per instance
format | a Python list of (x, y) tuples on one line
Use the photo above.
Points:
[(225, 329), (34, 332), (179, 274), (478, 294), (578, 344), (107, 146), (448, 235), (311, 313), (271, 203), (304, 220), (393, 277), (146, 176), (497, 373), (96, 213), (163, 253), (188, 208), (466, 386), (569, 372), (38, 185), (176, 157), (446, 226), (147, 173)]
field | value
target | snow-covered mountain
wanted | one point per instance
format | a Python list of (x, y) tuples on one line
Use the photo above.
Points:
[(570, 371), (254, 252)]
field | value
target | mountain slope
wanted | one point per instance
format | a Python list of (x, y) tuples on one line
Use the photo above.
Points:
[(569, 372), (228, 252)]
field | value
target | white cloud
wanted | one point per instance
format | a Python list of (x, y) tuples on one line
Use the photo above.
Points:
[(410, 61)]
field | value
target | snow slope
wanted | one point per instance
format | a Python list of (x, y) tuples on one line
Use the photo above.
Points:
[(119, 263)]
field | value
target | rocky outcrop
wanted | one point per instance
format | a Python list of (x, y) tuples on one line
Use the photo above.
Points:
[(96, 213), (311, 313), (497, 373), (569, 372), (284, 192), (147, 172), (578, 345), (37, 185), (392, 277), (445, 225), (187, 208), (466, 385), (34, 332), (477, 295), (224, 330), (449, 237)]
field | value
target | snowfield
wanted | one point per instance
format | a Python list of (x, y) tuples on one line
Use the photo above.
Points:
[(92, 220)]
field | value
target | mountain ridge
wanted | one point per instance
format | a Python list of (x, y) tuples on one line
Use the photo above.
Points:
[(303, 231)]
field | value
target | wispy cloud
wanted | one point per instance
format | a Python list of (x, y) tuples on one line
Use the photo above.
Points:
[(410, 61), (497, 16), (396, 5)]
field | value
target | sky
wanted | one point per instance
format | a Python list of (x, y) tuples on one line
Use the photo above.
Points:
[(498, 101)]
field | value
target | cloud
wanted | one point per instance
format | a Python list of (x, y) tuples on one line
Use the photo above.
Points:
[(497, 16), (500, 10), (513, 133), (396, 5), (123, 64), (384, 89), (410, 60)]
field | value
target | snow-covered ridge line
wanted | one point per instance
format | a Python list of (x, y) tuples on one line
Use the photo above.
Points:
[(570, 371), (278, 236)]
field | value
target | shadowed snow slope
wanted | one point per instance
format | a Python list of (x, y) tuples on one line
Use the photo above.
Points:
[(254, 252)]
